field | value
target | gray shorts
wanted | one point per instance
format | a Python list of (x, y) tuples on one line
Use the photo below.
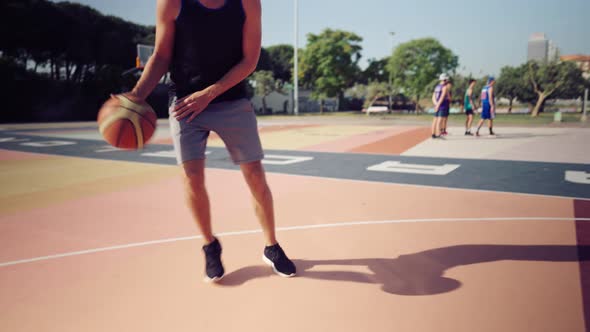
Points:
[(234, 121)]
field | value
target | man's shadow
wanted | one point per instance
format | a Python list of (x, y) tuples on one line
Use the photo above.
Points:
[(521, 135), (421, 273)]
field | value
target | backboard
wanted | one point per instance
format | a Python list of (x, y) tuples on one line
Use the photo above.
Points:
[(143, 54)]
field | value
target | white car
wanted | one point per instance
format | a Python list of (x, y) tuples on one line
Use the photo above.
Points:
[(376, 109)]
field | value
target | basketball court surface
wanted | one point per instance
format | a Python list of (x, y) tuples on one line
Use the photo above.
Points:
[(390, 231)]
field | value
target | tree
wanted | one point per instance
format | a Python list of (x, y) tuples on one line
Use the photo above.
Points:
[(376, 90), (264, 61), (329, 64), (357, 91), (375, 71), (512, 83), (554, 79), (77, 53), (281, 61), (368, 92), (417, 63), (74, 40), (265, 84)]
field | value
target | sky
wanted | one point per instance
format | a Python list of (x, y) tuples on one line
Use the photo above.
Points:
[(486, 35)]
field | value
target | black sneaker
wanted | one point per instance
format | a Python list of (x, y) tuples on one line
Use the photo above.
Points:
[(468, 133), (213, 267), (492, 133), (275, 257)]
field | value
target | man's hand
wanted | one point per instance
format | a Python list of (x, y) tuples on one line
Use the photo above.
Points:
[(131, 96), (192, 105)]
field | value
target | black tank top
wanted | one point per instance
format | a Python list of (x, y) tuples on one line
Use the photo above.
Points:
[(207, 44)]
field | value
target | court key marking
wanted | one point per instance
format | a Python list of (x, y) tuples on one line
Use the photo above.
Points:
[(398, 167), (577, 177)]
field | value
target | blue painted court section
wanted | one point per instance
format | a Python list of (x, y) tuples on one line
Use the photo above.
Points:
[(493, 175)]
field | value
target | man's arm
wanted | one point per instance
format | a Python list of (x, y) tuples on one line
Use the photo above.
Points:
[(491, 97), (195, 103), (157, 65), (471, 101), (443, 95)]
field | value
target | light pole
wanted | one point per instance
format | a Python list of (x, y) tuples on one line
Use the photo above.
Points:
[(392, 34), (584, 117), (296, 61)]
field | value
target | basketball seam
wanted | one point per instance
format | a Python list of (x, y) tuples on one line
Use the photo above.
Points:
[(138, 144), (119, 134), (136, 112), (123, 100), (129, 121)]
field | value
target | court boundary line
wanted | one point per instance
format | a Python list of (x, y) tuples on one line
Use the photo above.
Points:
[(280, 229)]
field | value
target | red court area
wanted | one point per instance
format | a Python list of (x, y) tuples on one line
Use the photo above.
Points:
[(106, 245)]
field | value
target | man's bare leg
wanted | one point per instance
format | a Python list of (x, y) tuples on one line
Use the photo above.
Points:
[(198, 202), (479, 124), (263, 204), (262, 197), (436, 126), (197, 198), (469, 122)]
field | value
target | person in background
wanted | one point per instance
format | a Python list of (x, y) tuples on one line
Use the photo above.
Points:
[(441, 101), (469, 107), (488, 105)]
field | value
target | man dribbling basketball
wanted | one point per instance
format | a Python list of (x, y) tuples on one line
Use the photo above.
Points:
[(210, 47)]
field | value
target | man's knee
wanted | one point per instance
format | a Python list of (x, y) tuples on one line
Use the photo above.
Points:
[(254, 174), (194, 181), (194, 175)]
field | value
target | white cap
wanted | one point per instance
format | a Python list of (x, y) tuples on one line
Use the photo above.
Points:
[(443, 77)]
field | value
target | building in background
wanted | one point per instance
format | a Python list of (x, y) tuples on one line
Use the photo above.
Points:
[(541, 49), (552, 52), (582, 61)]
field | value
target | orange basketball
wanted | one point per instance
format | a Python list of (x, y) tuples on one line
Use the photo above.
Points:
[(126, 124)]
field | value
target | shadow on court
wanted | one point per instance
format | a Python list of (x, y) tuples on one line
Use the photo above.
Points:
[(519, 135), (420, 273)]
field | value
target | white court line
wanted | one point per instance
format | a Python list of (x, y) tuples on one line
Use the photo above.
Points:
[(280, 229)]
